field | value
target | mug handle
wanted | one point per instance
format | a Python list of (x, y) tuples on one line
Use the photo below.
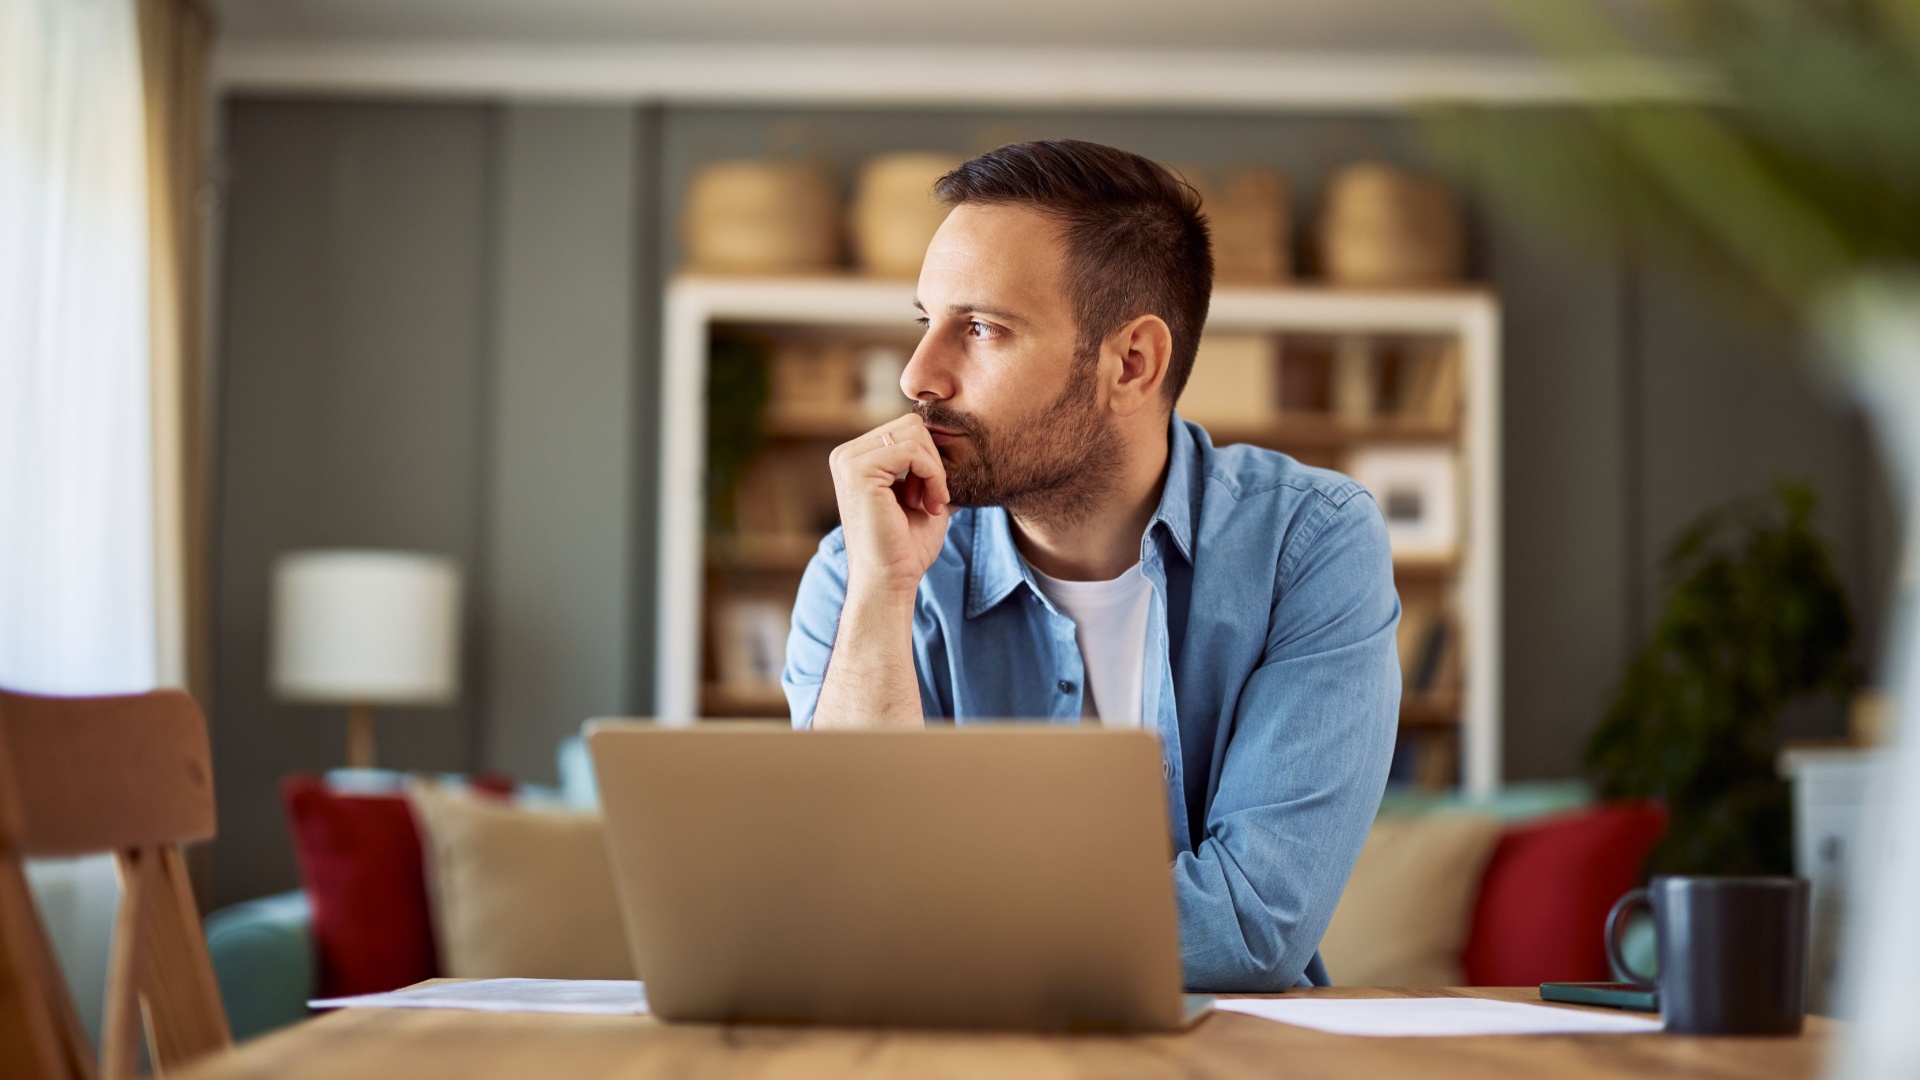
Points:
[(1615, 919)]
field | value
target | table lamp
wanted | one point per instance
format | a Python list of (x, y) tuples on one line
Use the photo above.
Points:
[(366, 628)]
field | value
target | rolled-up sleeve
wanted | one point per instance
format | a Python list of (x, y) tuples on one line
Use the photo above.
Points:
[(816, 620), (1304, 766)]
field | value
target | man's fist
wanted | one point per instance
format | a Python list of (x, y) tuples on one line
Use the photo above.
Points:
[(892, 490)]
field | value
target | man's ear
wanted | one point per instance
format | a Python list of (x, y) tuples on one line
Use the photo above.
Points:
[(1143, 349)]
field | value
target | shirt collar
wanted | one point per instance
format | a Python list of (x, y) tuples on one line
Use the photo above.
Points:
[(996, 568), (1177, 510)]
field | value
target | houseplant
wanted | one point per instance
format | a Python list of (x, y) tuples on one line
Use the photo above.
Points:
[(1754, 620), (736, 398)]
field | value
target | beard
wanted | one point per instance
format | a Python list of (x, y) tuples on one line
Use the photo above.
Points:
[(1056, 465)]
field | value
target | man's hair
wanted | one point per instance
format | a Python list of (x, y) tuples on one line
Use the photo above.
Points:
[(1136, 239)]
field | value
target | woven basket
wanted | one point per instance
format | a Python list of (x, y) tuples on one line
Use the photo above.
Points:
[(1384, 226), (761, 217), (1249, 215), (894, 212)]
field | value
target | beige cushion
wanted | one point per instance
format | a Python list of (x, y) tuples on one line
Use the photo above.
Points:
[(1408, 906), (519, 892)]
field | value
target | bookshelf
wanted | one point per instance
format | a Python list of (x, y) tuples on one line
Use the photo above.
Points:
[(1404, 385)]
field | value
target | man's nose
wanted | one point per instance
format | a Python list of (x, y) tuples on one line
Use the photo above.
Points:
[(929, 374)]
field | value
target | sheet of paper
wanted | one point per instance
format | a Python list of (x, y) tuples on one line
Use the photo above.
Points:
[(592, 997), (1436, 1016)]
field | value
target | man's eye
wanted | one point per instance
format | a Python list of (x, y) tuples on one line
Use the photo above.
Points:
[(978, 329), (924, 322)]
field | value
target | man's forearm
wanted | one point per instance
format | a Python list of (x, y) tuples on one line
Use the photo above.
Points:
[(870, 681)]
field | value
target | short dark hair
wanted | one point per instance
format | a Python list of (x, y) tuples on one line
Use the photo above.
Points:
[(1137, 242)]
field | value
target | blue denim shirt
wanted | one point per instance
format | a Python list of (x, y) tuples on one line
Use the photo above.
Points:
[(1271, 678)]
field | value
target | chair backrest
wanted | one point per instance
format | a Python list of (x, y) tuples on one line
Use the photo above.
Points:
[(130, 774)]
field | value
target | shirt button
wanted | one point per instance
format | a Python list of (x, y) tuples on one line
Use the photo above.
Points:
[(1166, 769), (1065, 687)]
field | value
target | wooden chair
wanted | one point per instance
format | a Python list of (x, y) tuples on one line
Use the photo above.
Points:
[(131, 775)]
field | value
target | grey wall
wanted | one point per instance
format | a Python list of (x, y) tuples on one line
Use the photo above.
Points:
[(354, 331), (428, 342), (1568, 549), (441, 331), (559, 473)]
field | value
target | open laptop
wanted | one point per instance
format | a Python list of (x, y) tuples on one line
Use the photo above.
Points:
[(998, 877)]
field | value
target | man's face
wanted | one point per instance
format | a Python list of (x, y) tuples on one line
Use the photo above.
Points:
[(1013, 405)]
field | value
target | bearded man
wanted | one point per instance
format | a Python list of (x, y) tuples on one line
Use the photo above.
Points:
[(1044, 538)]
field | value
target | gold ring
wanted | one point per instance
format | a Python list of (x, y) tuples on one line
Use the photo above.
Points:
[(886, 438)]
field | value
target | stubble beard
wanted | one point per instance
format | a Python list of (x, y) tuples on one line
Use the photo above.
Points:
[(1053, 468)]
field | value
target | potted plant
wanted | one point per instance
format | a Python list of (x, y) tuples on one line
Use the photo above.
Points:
[(1754, 621)]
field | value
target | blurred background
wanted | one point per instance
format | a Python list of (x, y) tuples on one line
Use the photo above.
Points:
[(447, 228), (569, 299)]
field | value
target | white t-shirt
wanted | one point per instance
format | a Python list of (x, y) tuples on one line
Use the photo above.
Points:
[(1110, 624)]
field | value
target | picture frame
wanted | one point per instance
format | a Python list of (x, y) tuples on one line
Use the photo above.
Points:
[(1418, 491)]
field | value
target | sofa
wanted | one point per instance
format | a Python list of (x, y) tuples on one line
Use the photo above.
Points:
[(1504, 891)]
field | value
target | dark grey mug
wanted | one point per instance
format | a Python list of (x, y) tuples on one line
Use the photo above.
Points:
[(1733, 952)]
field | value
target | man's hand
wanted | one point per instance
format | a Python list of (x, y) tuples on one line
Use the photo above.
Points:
[(892, 490)]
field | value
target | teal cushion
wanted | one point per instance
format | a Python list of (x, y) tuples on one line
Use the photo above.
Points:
[(576, 774), (1512, 803), (262, 954)]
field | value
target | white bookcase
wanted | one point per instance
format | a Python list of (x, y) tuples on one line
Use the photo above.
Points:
[(1464, 321)]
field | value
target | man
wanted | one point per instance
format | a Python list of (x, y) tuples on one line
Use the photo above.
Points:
[(1042, 537)]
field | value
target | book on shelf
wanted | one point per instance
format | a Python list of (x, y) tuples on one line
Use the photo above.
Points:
[(1428, 390), (1428, 642), (1356, 382), (1424, 760), (1433, 651), (786, 492), (1370, 383)]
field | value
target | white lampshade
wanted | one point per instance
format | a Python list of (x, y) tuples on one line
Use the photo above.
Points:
[(366, 627)]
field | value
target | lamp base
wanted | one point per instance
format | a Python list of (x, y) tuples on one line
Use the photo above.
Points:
[(359, 736)]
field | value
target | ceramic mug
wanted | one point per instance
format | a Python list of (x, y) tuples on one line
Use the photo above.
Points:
[(1733, 952)]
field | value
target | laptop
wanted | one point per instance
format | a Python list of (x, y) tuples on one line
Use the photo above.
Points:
[(998, 877)]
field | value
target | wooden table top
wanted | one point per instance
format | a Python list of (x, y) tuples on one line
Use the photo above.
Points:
[(476, 1046)]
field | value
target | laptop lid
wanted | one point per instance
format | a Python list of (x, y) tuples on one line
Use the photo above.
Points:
[(998, 877)]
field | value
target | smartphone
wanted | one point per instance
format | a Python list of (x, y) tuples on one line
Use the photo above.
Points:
[(1616, 995)]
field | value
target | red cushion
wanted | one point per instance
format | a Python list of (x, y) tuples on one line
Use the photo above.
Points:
[(1544, 898), (361, 864)]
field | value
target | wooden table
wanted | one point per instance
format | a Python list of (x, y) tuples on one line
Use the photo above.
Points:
[(361, 1043)]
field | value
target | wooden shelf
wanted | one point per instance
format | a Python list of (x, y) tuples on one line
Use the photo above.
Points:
[(1429, 710), (776, 554), (1321, 432), (720, 701), (1425, 569), (849, 309), (838, 428)]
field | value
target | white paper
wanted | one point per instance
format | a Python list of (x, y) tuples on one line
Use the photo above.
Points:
[(1436, 1016), (590, 997)]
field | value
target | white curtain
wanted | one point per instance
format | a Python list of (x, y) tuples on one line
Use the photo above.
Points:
[(77, 554), (77, 565)]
